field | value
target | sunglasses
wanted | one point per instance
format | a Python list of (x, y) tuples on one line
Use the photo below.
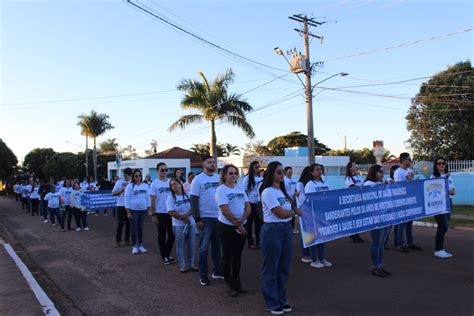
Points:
[(232, 173), (163, 170), (441, 163), (138, 176)]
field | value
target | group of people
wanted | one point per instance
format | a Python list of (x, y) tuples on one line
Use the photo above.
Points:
[(222, 215)]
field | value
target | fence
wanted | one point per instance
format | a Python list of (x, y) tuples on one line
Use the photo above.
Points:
[(453, 166)]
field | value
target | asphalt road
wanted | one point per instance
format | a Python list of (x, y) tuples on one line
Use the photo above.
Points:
[(84, 274)]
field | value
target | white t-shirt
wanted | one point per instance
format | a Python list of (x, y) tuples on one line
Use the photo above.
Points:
[(53, 199), (204, 187), (161, 191), (75, 199), (371, 183), (35, 194), (450, 180), (271, 198), (181, 205), (84, 185), (235, 198), (401, 174), (354, 180), (26, 189), (253, 194), (301, 197), (290, 186), (65, 194), (121, 183), (187, 187), (316, 186), (137, 197)]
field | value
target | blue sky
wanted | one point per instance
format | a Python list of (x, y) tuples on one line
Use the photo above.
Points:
[(63, 50)]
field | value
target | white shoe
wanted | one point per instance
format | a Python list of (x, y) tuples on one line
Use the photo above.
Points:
[(54, 224), (441, 254), (305, 259), (87, 229), (135, 251), (78, 229), (446, 253), (45, 221), (326, 263), (142, 249), (317, 264)]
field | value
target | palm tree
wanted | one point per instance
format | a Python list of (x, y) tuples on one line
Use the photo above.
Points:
[(109, 146), (95, 124), (84, 125), (154, 146), (231, 150), (214, 103)]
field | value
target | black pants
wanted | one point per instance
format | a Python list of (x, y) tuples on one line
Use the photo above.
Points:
[(253, 218), (68, 214), (34, 206), (442, 220), (165, 229), (24, 204), (80, 218), (232, 246), (122, 220)]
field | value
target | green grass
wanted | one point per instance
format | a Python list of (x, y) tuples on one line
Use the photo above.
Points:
[(464, 210), (453, 222)]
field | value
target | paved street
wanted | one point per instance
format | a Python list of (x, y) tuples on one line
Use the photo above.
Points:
[(84, 274)]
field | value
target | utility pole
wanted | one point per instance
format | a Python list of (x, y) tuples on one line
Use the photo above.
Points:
[(307, 69)]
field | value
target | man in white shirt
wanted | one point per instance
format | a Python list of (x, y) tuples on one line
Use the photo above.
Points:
[(205, 213), (404, 173), (290, 186), (122, 218)]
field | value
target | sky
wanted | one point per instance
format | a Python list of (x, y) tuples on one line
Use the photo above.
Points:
[(60, 59)]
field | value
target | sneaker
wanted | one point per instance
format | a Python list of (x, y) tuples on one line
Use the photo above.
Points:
[(183, 270), (193, 269), (105, 214), (204, 281), (78, 229), (326, 263), (63, 230), (134, 251), (277, 311), (87, 229), (217, 276), (171, 259), (296, 231), (403, 249), (45, 221), (306, 259), (54, 224), (385, 271), (231, 292), (286, 308), (378, 272), (142, 249), (440, 254), (447, 253), (415, 247), (166, 261), (317, 264)]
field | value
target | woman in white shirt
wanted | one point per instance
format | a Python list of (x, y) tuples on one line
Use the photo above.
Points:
[(276, 239), (352, 180), (378, 235), (250, 184), (34, 197), (79, 212), (137, 203), (65, 193), (234, 208), (300, 199), (178, 205), (187, 184), (440, 170), (317, 184)]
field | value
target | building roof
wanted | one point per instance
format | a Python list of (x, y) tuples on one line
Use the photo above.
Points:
[(178, 153)]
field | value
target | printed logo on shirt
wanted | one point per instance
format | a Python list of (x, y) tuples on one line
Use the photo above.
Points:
[(282, 201), (211, 185), (232, 196), (137, 192), (164, 189), (182, 202), (323, 188)]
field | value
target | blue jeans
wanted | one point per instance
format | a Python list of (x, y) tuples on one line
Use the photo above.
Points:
[(209, 234), (44, 209), (377, 245), (187, 240), (408, 228), (137, 222), (276, 243), (317, 252), (54, 213)]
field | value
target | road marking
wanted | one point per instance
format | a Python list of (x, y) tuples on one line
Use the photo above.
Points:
[(46, 304)]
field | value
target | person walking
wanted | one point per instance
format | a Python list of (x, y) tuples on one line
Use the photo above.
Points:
[(65, 193), (35, 197), (122, 218), (54, 204), (79, 212)]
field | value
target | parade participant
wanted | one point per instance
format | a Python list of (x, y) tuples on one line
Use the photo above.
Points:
[(187, 184), (351, 180), (305, 177), (54, 204), (45, 188), (276, 239), (374, 177), (80, 215), (159, 193), (261, 173), (386, 247), (34, 197), (85, 184), (122, 218), (234, 208), (250, 184), (25, 196), (317, 184), (148, 180), (17, 191), (206, 212), (404, 173), (441, 170), (65, 193), (178, 174), (137, 203), (290, 186), (184, 227)]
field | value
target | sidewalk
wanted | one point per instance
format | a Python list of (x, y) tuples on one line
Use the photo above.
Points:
[(16, 297), (463, 216)]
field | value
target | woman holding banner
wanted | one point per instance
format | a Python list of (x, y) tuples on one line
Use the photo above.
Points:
[(300, 198), (317, 184), (440, 170), (353, 180), (374, 177)]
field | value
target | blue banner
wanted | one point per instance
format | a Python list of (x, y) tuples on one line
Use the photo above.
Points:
[(98, 200), (334, 214)]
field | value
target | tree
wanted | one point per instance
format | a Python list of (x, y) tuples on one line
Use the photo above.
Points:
[(8, 161), (153, 148), (95, 125), (361, 156), (36, 159), (84, 124), (294, 139), (441, 115), (130, 153), (204, 150), (230, 150), (109, 146), (213, 103), (67, 165)]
